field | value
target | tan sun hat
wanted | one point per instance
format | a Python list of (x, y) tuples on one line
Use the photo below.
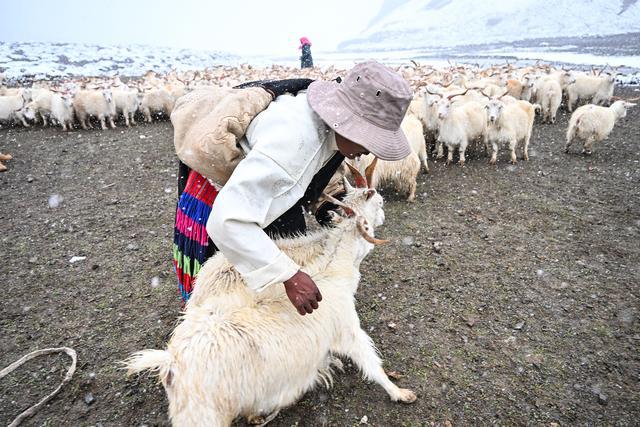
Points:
[(367, 108)]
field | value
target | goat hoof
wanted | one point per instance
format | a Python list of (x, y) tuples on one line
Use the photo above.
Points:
[(259, 420), (513, 162), (406, 396)]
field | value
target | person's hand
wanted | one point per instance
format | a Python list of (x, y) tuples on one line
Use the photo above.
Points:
[(303, 293)]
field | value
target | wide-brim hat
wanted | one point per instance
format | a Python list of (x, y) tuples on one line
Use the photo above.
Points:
[(366, 107)]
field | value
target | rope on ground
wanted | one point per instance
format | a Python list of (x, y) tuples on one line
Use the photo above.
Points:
[(33, 409)]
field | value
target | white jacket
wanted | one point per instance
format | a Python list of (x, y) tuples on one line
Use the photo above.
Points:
[(289, 144)]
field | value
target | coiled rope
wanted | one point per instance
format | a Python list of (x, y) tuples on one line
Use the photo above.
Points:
[(33, 409)]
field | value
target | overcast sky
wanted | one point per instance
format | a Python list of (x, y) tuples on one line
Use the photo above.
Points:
[(242, 27)]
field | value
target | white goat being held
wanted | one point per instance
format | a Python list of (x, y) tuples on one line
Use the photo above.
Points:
[(240, 353)]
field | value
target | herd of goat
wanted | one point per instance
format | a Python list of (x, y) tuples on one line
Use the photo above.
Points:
[(452, 107)]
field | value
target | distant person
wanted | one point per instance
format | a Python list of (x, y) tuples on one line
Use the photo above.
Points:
[(306, 61)]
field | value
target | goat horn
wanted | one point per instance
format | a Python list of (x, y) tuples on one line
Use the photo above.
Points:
[(368, 172), (500, 97), (433, 93), (450, 97), (361, 182), (482, 92), (633, 99), (366, 236)]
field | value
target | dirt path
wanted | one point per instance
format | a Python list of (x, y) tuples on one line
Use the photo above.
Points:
[(525, 311)]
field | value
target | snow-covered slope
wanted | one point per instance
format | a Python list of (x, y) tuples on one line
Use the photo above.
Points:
[(411, 24), (69, 59)]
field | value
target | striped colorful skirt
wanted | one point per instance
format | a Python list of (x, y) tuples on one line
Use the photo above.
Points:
[(191, 243)]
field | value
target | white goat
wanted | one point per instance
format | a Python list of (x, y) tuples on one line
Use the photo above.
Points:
[(597, 89), (12, 107), (62, 110), (95, 103), (403, 174), (549, 97), (127, 103), (413, 129), (520, 89), (563, 77), (238, 353), (592, 123), (422, 108), (156, 100), (41, 103), (511, 123), (458, 125)]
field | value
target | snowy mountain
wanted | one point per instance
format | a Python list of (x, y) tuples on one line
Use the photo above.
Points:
[(416, 24)]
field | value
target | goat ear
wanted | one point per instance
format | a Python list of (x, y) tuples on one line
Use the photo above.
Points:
[(361, 181), (370, 193)]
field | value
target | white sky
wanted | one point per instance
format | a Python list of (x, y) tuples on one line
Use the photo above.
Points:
[(241, 27)]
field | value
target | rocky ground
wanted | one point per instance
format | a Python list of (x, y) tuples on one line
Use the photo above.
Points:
[(509, 294)]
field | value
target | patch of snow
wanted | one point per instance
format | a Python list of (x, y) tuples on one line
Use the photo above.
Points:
[(155, 282), (55, 200)]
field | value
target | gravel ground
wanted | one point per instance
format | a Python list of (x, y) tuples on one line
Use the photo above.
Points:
[(509, 294)]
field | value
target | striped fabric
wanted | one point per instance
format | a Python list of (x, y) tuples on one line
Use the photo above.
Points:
[(191, 244)]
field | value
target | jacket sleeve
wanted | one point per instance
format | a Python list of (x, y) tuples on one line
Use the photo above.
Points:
[(258, 191)]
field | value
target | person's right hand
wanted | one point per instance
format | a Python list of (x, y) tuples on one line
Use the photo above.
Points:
[(303, 292)]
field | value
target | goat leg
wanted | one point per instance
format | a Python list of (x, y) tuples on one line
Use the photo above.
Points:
[(363, 354)]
